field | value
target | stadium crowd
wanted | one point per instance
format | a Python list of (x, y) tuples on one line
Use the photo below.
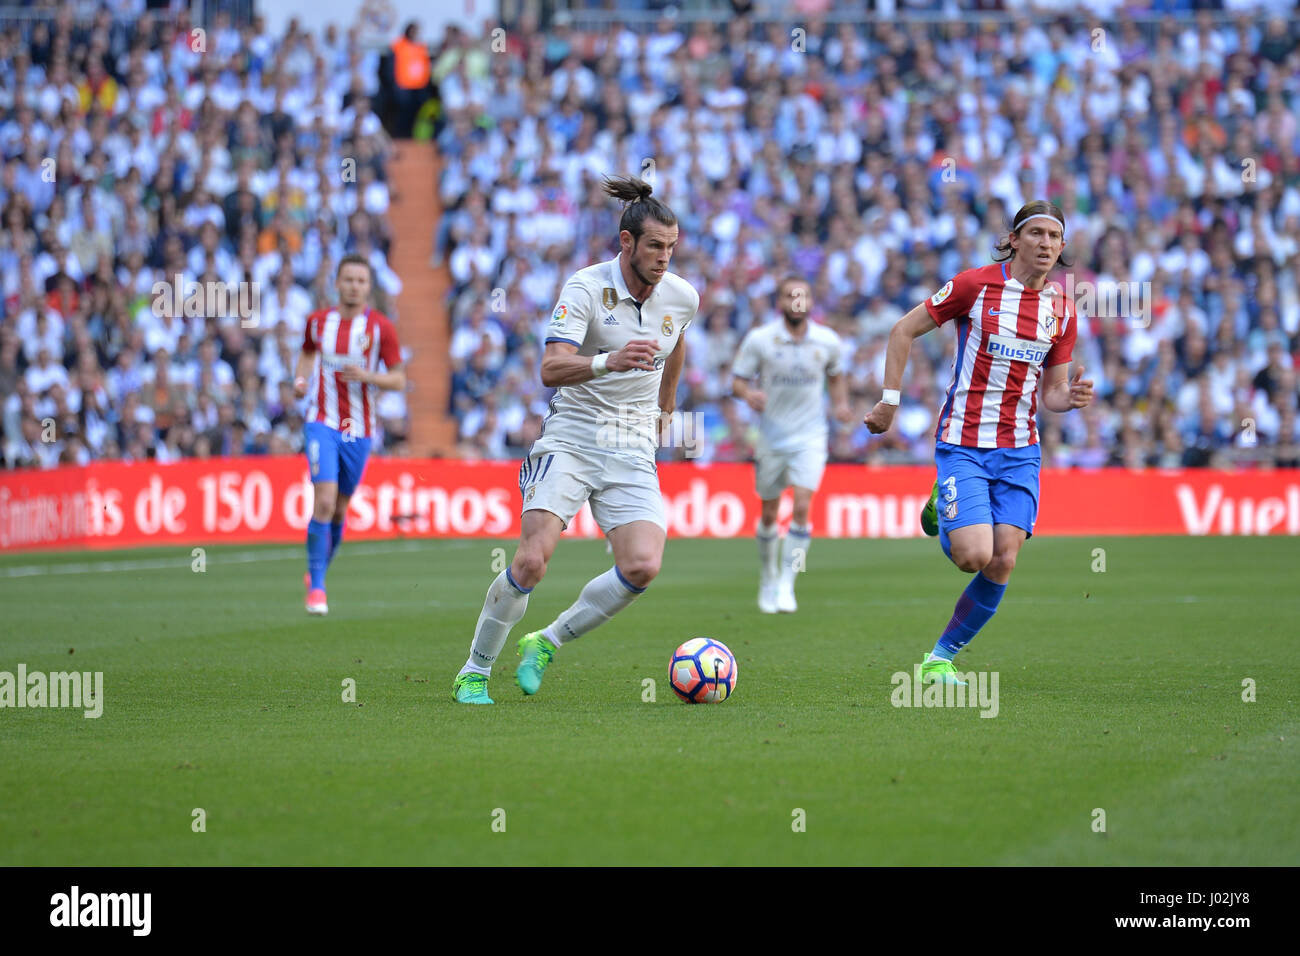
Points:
[(137, 149), (878, 161)]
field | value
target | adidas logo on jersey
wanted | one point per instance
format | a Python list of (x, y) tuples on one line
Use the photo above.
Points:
[(610, 320)]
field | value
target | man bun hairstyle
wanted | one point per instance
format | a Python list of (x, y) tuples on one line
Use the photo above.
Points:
[(1035, 207), (640, 204)]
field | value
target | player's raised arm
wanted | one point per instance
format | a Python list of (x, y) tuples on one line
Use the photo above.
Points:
[(394, 379), (910, 327), (1061, 393), (562, 365)]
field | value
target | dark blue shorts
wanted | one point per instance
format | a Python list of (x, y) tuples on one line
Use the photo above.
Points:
[(334, 456), (987, 486)]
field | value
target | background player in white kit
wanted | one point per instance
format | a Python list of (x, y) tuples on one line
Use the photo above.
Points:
[(793, 361), (614, 354)]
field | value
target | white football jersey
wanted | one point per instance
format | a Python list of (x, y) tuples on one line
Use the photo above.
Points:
[(618, 411), (792, 373)]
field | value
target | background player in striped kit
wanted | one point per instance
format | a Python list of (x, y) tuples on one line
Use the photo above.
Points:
[(350, 341), (614, 353), (781, 371), (1013, 327)]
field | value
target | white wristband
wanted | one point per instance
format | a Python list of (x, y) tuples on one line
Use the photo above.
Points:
[(890, 396), (598, 363)]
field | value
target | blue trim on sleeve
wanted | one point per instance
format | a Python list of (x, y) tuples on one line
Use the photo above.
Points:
[(556, 338)]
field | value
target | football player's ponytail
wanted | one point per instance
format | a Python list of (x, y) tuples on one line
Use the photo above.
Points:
[(640, 204)]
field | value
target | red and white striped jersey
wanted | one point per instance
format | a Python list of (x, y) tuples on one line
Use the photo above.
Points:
[(363, 341), (1006, 335)]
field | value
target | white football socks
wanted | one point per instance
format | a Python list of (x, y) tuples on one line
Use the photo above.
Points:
[(794, 550), (769, 550), (602, 597), (504, 606)]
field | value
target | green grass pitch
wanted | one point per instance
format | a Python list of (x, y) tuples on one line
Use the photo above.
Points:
[(1118, 690)]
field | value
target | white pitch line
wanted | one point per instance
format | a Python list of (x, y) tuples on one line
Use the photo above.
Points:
[(184, 560)]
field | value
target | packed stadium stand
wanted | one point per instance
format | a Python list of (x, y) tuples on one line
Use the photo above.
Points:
[(876, 158)]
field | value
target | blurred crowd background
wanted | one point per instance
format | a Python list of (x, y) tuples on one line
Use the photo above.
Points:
[(875, 159), (135, 152)]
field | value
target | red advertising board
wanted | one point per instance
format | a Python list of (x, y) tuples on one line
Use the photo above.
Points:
[(247, 500)]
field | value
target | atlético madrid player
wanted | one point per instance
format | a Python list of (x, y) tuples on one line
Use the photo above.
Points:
[(350, 340), (1013, 328)]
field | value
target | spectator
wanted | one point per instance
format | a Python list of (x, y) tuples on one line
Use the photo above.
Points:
[(411, 73)]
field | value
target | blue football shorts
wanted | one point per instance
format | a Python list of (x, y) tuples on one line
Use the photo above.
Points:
[(333, 456), (987, 486)]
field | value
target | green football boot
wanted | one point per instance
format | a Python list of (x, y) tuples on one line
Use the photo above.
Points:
[(471, 688), (935, 670), (930, 513), (536, 652)]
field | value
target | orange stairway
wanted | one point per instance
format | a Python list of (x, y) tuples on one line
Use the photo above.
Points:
[(424, 326)]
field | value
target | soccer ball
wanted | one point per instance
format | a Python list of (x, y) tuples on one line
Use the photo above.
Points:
[(703, 671)]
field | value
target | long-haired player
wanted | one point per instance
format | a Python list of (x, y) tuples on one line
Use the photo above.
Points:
[(1015, 331)]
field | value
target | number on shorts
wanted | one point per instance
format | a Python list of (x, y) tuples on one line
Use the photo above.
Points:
[(949, 489)]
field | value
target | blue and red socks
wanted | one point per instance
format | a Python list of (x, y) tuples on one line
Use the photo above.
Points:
[(977, 604)]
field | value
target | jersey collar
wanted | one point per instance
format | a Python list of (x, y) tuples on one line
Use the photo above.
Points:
[(786, 336)]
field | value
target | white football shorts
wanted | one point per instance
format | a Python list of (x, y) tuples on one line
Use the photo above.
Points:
[(774, 471), (621, 488)]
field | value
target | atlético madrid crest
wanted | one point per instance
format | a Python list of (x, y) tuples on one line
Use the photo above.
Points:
[(365, 341), (608, 297)]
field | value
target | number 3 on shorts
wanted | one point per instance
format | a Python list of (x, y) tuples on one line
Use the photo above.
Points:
[(949, 486)]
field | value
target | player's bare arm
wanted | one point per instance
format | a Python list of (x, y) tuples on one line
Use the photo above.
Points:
[(672, 374), (392, 380), (906, 330), (302, 372), (838, 385), (1061, 393), (744, 390), (562, 365)]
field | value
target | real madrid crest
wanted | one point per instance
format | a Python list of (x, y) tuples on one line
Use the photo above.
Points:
[(608, 297), (668, 325)]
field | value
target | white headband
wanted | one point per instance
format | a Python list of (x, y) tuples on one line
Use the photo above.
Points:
[(1039, 215)]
